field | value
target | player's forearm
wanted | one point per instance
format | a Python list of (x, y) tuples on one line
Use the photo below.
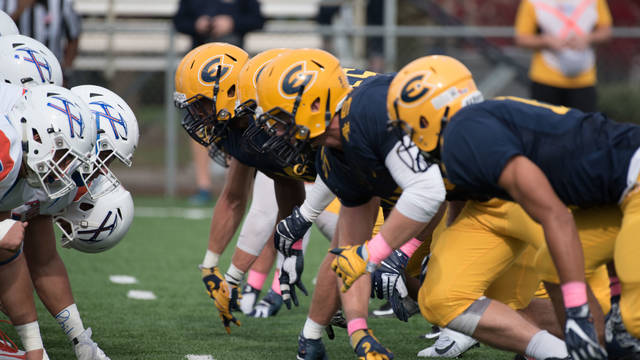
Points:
[(399, 229), (564, 245), (289, 193), (226, 219)]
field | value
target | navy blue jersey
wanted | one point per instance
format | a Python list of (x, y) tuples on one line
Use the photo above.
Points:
[(585, 156), (358, 172), (236, 145)]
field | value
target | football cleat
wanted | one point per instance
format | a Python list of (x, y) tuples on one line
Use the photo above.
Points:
[(450, 344), (384, 311), (87, 349), (367, 346), (619, 343), (268, 306), (218, 289), (434, 334), (249, 298), (311, 349)]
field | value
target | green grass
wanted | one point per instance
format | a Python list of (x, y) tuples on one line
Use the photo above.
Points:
[(163, 255)]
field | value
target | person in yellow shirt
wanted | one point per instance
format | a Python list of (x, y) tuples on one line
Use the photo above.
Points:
[(562, 33)]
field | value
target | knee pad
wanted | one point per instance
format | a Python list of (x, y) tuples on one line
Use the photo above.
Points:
[(467, 322)]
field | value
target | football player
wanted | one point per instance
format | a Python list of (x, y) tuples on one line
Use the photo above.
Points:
[(545, 158), (307, 103), (42, 152), (219, 109), (117, 133)]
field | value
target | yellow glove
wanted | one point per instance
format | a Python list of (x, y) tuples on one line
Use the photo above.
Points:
[(368, 347), (218, 290), (350, 263)]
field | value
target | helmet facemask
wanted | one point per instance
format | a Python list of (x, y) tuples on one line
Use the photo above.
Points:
[(103, 156), (287, 142), (52, 174), (203, 122), (218, 155)]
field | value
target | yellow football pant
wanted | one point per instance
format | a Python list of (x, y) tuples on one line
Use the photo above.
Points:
[(470, 255), (491, 250)]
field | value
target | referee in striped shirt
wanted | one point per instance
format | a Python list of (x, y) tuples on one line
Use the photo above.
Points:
[(54, 23)]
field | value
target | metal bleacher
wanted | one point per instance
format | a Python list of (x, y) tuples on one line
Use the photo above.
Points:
[(136, 35)]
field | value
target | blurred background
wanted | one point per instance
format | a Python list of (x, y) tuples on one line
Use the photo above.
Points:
[(133, 47)]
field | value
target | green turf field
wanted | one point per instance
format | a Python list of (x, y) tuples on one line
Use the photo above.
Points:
[(163, 253)]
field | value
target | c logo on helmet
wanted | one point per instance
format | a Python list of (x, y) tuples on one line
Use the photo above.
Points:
[(294, 78), (414, 90), (76, 124), (209, 70)]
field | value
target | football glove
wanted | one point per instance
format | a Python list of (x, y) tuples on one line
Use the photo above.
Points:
[(291, 276), (350, 263), (618, 341), (218, 290), (388, 282), (290, 230), (367, 347), (580, 335)]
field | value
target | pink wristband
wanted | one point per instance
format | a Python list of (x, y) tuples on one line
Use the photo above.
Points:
[(574, 293), (615, 286), (256, 279), (378, 249), (410, 247), (355, 325), (297, 245)]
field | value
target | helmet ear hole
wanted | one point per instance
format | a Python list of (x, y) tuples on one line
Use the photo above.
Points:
[(232, 91), (315, 105), (85, 206), (424, 123), (36, 136)]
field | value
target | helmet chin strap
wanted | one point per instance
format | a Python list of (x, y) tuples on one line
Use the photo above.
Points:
[(29, 175)]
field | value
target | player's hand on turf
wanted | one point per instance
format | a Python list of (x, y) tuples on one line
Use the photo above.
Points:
[(350, 263), (291, 276), (580, 335), (388, 282), (290, 230), (218, 290)]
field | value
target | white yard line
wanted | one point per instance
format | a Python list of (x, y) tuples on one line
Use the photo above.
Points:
[(123, 279), (141, 295), (173, 212), (199, 357)]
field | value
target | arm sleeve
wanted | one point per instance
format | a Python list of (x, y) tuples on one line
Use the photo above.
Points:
[(525, 19), (248, 17), (422, 192), (71, 21), (318, 198), (604, 15)]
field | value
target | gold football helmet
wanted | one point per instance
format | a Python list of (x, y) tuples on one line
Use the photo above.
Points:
[(299, 92), (425, 94), (248, 78), (206, 87)]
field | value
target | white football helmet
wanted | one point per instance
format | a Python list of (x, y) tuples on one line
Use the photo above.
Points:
[(7, 25), (117, 133), (95, 225), (26, 61), (58, 134)]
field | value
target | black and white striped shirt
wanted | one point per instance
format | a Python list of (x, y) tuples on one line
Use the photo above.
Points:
[(52, 25)]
